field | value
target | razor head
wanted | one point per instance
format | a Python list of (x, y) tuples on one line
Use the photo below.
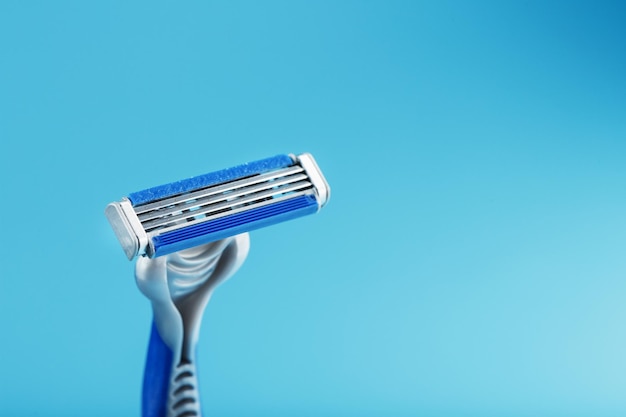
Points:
[(202, 209)]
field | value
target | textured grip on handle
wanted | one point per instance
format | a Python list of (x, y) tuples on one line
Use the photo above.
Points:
[(168, 390), (183, 396)]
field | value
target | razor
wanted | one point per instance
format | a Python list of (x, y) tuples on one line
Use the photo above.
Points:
[(188, 237), (183, 214)]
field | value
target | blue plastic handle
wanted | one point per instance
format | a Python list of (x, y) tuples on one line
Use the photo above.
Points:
[(156, 377)]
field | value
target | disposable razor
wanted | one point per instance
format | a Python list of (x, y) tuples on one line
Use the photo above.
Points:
[(191, 235)]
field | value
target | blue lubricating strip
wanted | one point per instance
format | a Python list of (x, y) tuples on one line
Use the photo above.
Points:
[(156, 377), (212, 178), (234, 224)]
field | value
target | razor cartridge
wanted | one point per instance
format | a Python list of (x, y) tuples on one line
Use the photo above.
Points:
[(187, 213)]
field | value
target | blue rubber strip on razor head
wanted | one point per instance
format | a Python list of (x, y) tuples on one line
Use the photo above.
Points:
[(234, 224), (212, 178)]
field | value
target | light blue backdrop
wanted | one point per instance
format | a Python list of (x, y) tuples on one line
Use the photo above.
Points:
[(472, 259)]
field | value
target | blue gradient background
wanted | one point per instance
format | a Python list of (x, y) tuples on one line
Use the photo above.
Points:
[(470, 263)]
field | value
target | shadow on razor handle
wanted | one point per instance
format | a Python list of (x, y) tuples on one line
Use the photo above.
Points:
[(169, 389)]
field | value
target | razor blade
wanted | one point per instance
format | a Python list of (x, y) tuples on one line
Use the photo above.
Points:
[(187, 213)]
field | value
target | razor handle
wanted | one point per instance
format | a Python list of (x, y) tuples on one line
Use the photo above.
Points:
[(170, 388), (179, 287)]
